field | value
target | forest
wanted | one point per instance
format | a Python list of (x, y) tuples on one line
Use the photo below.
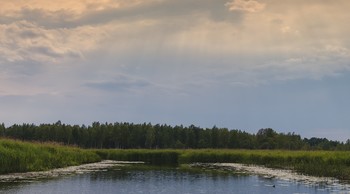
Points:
[(146, 135)]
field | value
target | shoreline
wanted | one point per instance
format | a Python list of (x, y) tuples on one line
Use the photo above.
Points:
[(280, 174), (70, 170), (264, 172)]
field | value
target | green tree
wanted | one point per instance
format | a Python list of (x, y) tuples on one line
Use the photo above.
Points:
[(266, 138), (150, 137)]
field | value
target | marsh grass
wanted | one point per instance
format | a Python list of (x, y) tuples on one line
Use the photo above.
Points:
[(153, 157), (17, 156), (316, 163)]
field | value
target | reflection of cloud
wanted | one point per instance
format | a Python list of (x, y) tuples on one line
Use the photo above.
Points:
[(250, 6)]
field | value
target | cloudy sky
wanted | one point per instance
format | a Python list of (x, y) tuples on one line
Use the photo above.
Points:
[(240, 64)]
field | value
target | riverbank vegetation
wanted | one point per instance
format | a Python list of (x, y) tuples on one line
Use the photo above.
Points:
[(317, 163), (17, 156), (167, 145), (129, 135)]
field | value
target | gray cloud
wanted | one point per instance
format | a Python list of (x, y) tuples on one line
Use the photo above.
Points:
[(171, 59), (121, 83), (179, 10), (26, 68), (28, 40), (182, 31), (250, 6), (29, 45)]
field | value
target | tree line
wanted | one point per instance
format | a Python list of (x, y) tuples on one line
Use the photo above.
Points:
[(146, 135)]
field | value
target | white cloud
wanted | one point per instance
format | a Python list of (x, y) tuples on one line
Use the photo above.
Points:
[(201, 36), (23, 41), (134, 60), (336, 51), (250, 6), (15, 7)]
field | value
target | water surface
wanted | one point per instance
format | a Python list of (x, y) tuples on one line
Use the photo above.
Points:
[(162, 180)]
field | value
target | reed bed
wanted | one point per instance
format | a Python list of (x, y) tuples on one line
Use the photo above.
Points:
[(153, 157), (17, 156), (316, 163)]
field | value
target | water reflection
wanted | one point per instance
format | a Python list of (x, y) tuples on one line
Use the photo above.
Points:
[(160, 180)]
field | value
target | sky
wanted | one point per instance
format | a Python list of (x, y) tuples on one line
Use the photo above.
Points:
[(238, 64)]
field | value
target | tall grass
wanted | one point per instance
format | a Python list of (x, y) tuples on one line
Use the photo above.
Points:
[(16, 156), (317, 163), (154, 157)]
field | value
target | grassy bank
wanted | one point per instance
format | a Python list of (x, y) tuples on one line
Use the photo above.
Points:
[(17, 156), (316, 163), (154, 157)]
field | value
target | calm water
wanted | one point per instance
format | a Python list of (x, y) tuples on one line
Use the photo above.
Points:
[(161, 181)]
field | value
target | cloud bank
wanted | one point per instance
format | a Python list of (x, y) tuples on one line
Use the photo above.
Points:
[(251, 6), (89, 55), (279, 41)]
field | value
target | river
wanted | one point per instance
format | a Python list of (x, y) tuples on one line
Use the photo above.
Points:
[(162, 180)]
